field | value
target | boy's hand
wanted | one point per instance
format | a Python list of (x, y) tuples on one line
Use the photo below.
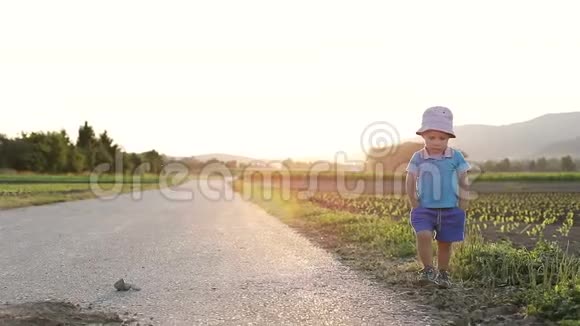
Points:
[(463, 191), (414, 203), (410, 189)]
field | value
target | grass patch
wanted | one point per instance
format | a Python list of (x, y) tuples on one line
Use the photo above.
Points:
[(32, 195), (30, 178), (548, 278), (46, 189)]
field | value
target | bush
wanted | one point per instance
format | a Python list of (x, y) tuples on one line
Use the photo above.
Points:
[(562, 302), (548, 277)]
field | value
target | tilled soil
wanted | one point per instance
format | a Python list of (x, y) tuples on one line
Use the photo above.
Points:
[(51, 313)]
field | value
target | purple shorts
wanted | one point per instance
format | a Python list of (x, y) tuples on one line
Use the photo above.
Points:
[(448, 223)]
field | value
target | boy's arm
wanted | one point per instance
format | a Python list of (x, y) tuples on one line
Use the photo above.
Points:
[(462, 168), (463, 190), (411, 189)]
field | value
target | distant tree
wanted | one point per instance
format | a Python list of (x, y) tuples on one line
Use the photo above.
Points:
[(87, 144), (86, 138), (532, 165), (76, 160), (135, 162), (107, 143), (233, 164), (154, 159), (213, 161), (504, 165), (568, 164), (542, 164), (3, 158), (22, 155), (128, 167), (193, 164), (489, 166), (50, 150), (288, 163), (102, 155), (60, 145), (390, 159), (554, 164), (517, 166)]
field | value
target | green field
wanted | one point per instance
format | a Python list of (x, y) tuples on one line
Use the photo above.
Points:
[(19, 190), (70, 179), (522, 218), (530, 176)]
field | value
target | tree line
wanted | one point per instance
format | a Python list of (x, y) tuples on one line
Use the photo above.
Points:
[(542, 164), (54, 152)]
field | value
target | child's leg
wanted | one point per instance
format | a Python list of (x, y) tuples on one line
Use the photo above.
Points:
[(425, 248), (423, 222), (451, 229), (443, 255)]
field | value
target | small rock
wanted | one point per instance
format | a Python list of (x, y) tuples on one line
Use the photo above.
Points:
[(121, 285)]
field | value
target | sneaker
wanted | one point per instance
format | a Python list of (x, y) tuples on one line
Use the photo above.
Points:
[(427, 276), (443, 280)]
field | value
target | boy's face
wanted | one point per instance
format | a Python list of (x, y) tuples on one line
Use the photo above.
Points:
[(435, 141)]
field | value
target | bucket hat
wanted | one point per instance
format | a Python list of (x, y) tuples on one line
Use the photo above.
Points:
[(437, 118)]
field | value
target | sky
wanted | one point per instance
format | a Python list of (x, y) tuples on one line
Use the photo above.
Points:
[(277, 79)]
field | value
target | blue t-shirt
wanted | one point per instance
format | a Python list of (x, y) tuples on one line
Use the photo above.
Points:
[(438, 182)]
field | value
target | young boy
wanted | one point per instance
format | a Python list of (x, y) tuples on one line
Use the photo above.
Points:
[(437, 188)]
